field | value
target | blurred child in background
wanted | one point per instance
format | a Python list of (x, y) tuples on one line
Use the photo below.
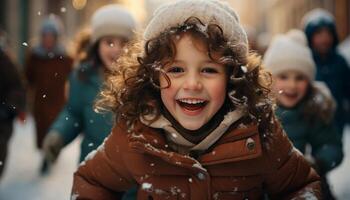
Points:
[(305, 107), (112, 27), (12, 100), (320, 28), (46, 69)]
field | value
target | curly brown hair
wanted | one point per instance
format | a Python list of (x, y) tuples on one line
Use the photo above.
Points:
[(132, 90)]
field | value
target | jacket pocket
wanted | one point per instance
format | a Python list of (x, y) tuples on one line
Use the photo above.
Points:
[(254, 193)]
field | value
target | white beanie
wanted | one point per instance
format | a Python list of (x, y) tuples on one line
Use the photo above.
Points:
[(174, 14), (290, 52), (52, 24), (316, 16), (112, 20)]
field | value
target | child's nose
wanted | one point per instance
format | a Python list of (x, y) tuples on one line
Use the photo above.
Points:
[(292, 84), (193, 83)]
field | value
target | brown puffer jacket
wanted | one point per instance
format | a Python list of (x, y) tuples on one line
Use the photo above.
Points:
[(46, 78), (239, 166)]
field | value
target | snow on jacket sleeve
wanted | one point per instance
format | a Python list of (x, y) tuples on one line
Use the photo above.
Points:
[(289, 175), (103, 174), (69, 121)]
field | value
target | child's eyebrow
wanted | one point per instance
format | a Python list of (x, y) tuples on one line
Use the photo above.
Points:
[(209, 61), (178, 61)]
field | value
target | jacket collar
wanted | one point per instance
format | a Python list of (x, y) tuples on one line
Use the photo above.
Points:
[(240, 143), (175, 137)]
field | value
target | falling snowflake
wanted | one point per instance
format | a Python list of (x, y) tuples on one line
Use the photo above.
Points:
[(51, 54), (244, 69), (25, 44), (63, 9), (74, 196), (146, 186)]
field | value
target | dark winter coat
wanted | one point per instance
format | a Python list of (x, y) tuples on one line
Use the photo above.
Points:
[(332, 69), (12, 95), (326, 144), (46, 76), (12, 101), (238, 166), (78, 115)]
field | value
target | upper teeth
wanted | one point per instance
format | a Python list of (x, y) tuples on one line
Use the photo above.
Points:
[(191, 101)]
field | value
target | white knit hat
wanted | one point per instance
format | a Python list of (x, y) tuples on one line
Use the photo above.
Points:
[(112, 20), (290, 52), (316, 16), (174, 14)]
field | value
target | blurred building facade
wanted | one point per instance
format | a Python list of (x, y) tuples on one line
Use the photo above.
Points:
[(282, 15), (21, 18)]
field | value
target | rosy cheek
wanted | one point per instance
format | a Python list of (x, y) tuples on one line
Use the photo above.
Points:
[(218, 90)]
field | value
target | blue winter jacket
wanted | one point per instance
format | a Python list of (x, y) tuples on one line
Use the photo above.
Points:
[(326, 144), (332, 69), (78, 115)]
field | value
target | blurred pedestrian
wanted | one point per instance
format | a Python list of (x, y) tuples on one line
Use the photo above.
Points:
[(194, 118), (12, 103), (305, 107), (112, 27), (46, 69), (320, 28)]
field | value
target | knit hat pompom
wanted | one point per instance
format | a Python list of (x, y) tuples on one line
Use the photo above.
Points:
[(112, 20), (52, 24), (290, 52), (175, 14)]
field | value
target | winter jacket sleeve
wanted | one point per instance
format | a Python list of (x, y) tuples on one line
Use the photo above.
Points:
[(104, 170), (29, 70), (327, 147), (12, 94), (69, 121), (346, 74), (290, 176)]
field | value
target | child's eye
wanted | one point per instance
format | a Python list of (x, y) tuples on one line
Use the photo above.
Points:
[(210, 70), (175, 69), (300, 78), (282, 77)]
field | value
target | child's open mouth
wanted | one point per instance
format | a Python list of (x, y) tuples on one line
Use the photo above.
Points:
[(192, 105)]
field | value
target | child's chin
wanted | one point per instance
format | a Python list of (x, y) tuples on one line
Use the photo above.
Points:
[(289, 104), (191, 127)]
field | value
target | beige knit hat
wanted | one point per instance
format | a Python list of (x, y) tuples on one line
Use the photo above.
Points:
[(174, 14), (290, 52), (112, 20)]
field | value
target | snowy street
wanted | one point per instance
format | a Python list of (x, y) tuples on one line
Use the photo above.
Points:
[(21, 179)]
